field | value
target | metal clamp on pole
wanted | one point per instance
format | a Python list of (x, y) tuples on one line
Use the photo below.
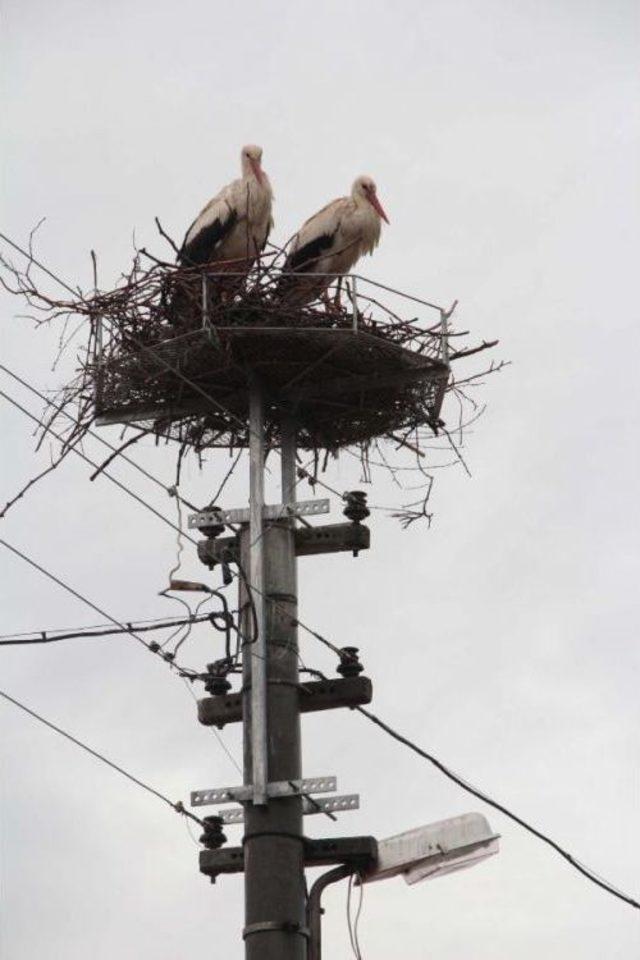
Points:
[(276, 926)]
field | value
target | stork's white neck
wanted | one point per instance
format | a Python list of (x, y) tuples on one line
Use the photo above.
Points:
[(248, 172)]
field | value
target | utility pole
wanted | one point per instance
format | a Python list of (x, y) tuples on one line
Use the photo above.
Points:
[(273, 838), (274, 796)]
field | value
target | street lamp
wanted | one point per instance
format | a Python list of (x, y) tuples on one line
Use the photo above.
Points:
[(420, 854), (435, 849)]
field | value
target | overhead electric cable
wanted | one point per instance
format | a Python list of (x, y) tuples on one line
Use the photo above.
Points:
[(86, 601), (461, 782), (171, 490), (176, 806), (153, 510), (49, 636), (84, 628), (92, 463)]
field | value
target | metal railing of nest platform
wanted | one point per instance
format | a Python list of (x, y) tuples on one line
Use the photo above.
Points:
[(256, 286)]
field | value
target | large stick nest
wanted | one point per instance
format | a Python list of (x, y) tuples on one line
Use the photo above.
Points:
[(182, 349), (175, 352)]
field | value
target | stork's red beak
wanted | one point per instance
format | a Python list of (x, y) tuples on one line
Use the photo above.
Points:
[(377, 206), (257, 170)]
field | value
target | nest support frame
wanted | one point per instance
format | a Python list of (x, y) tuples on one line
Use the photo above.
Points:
[(344, 377)]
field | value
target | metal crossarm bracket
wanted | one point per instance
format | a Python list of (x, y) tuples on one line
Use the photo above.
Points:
[(315, 695), (309, 541), (281, 788), (349, 801), (360, 852), (276, 511)]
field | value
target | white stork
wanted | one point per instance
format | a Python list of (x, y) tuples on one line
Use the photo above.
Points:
[(233, 228), (332, 241)]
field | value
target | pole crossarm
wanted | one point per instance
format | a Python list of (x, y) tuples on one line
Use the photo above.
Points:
[(310, 806), (308, 542), (359, 852), (277, 511), (283, 788), (315, 695)]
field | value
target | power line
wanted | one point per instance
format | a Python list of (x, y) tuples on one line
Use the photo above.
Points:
[(171, 490), (352, 923), (89, 603), (92, 463), (165, 520), (177, 806), (575, 863), (48, 636), (82, 630)]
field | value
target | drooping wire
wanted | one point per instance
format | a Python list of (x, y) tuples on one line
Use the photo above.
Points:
[(176, 806), (189, 628), (480, 795), (241, 573), (96, 436), (573, 861), (80, 631), (52, 636), (92, 463), (170, 576), (352, 923), (89, 603)]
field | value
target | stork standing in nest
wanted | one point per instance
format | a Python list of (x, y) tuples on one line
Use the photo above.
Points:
[(227, 236), (232, 229), (331, 242)]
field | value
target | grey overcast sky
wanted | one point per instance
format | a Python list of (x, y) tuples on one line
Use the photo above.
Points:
[(504, 140)]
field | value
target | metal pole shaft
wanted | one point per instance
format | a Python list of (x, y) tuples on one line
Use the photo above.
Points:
[(258, 649), (273, 845)]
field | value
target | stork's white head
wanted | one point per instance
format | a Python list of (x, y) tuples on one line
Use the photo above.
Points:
[(251, 160), (364, 191)]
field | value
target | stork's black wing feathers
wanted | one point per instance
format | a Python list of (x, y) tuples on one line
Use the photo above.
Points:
[(201, 248), (303, 259)]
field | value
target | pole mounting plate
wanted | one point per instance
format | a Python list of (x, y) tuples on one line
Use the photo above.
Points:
[(274, 511), (349, 801), (280, 788)]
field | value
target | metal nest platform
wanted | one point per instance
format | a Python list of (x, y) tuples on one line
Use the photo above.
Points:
[(346, 376)]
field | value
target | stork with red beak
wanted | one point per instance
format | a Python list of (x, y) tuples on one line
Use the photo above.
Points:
[(332, 241), (233, 228)]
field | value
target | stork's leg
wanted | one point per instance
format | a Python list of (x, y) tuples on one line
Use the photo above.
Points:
[(327, 301), (336, 300)]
